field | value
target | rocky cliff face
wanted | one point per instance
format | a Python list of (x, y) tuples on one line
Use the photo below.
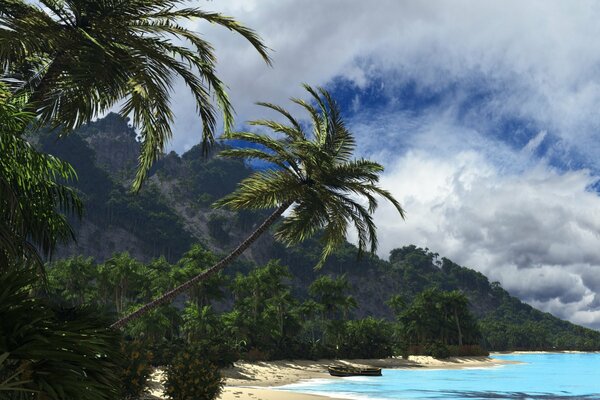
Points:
[(114, 144), (168, 215)]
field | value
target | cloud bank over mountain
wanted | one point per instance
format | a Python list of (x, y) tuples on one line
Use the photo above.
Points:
[(485, 115)]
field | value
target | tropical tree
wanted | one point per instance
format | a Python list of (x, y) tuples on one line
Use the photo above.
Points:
[(194, 262), (33, 195), (73, 60), (121, 277), (72, 280), (331, 294), (437, 315), (47, 353), (314, 174), (265, 314), (458, 303)]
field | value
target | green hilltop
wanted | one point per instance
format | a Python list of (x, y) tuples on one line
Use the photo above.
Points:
[(173, 212)]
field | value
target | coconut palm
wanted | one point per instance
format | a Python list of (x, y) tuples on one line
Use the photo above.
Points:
[(75, 59), (458, 303), (313, 173), (32, 195)]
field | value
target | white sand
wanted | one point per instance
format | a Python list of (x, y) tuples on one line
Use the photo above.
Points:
[(255, 381), (243, 378)]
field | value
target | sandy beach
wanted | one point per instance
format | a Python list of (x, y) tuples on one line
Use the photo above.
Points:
[(259, 380), (256, 380)]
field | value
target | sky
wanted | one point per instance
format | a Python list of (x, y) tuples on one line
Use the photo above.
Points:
[(484, 114)]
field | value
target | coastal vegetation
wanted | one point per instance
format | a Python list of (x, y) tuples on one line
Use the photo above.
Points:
[(64, 63), (312, 173), (80, 328), (256, 314), (72, 61)]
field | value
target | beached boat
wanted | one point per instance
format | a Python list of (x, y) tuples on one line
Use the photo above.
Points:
[(335, 370)]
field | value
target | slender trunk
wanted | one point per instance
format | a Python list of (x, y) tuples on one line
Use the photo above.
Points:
[(172, 294), (460, 339)]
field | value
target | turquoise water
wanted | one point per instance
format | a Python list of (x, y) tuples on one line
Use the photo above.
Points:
[(540, 376)]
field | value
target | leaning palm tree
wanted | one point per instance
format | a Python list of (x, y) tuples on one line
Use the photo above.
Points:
[(314, 174), (76, 59)]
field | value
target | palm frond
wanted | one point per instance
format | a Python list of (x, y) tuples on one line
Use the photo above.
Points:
[(262, 190), (91, 55), (326, 185), (32, 197)]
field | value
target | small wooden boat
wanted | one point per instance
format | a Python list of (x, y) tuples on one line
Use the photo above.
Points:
[(335, 370)]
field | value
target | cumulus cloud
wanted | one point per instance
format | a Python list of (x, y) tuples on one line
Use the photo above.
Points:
[(538, 59), (478, 190), (536, 232)]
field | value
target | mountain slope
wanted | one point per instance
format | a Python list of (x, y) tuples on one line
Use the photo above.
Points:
[(173, 211)]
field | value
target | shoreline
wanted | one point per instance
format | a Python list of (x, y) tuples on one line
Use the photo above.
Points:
[(260, 380)]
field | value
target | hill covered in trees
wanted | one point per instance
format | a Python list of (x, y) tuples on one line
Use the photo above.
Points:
[(173, 212)]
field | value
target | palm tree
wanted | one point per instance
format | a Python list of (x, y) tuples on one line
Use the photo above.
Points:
[(53, 354), (314, 174), (193, 262), (32, 193), (331, 294), (76, 59), (458, 304)]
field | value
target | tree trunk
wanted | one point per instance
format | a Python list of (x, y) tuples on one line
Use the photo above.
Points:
[(172, 294), (460, 339)]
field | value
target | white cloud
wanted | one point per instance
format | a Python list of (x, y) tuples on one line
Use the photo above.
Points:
[(535, 232), (540, 58), (468, 197)]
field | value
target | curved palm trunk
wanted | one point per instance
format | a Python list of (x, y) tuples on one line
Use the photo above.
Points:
[(172, 294)]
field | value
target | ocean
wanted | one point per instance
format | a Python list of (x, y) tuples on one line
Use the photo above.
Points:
[(538, 376)]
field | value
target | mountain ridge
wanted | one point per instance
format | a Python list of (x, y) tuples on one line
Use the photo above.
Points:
[(173, 211)]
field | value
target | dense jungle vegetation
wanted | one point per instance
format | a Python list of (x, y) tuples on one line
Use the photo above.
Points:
[(84, 193)]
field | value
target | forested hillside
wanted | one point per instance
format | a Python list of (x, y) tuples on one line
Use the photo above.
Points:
[(173, 212)]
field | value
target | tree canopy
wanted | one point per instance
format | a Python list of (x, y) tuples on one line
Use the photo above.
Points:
[(74, 60)]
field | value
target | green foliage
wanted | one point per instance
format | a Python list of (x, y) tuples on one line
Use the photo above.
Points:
[(330, 293), (196, 260), (367, 338), (264, 314), (156, 327), (439, 316), (58, 354), (90, 55), (146, 215), (437, 349), (33, 196), (210, 177), (70, 280), (207, 331), (316, 172), (190, 376), (217, 228), (121, 278), (136, 370)]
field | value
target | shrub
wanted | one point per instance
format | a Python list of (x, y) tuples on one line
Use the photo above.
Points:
[(255, 354), (51, 353), (437, 350), (191, 377), (468, 350), (136, 369)]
